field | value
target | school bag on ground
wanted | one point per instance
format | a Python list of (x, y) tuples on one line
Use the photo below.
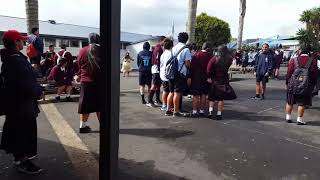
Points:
[(172, 66), (300, 79)]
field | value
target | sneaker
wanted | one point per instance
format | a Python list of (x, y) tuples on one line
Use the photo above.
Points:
[(202, 115), (150, 104), (178, 114), (189, 97), (31, 157), (163, 108), (27, 167), (143, 101), (57, 98), (85, 130), (301, 122), (210, 115), (168, 113), (289, 121), (69, 99), (218, 117), (157, 103), (262, 97), (256, 98)]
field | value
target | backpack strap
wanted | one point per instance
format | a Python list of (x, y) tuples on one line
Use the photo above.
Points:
[(180, 50), (309, 63)]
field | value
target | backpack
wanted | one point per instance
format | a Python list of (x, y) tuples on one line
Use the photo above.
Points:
[(31, 50), (61, 57), (300, 80), (172, 67)]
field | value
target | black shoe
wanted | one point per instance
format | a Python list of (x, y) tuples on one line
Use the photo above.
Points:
[(178, 114), (158, 101), (289, 121), (194, 115), (69, 99), (143, 101), (168, 113), (218, 117), (262, 97), (210, 115), (28, 167), (202, 115), (84, 130), (57, 98), (256, 98)]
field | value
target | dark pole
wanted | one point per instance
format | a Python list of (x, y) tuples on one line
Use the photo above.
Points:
[(109, 87)]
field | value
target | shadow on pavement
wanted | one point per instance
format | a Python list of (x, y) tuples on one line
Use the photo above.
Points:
[(313, 123), (157, 133)]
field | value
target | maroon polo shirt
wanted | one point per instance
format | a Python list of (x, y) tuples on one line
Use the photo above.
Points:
[(83, 66), (199, 64)]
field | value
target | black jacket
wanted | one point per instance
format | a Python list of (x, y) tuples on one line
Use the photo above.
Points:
[(144, 59), (20, 87)]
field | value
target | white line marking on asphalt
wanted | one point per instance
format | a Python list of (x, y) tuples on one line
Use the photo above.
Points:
[(79, 154), (129, 90), (269, 109)]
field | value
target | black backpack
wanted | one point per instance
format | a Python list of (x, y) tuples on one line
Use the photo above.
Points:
[(300, 79), (172, 67)]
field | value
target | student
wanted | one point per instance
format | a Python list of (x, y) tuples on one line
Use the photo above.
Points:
[(49, 62), (63, 79), (155, 70), (126, 65), (278, 62), (144, 63), (262, 70), (304, 60), (20, 92), (165, 57), (217, 73), (199, 84), (180, 82), (37, 43), (89, 70)]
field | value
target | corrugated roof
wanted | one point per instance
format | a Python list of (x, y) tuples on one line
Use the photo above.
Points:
[(65, 30)]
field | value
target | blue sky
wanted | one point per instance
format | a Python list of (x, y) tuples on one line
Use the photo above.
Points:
[(264, 18)]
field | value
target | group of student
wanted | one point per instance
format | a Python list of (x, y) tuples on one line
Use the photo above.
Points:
[(19, 90), (204, 75), (200, 74)]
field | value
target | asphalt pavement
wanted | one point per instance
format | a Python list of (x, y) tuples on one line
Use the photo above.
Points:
[(252, 142)]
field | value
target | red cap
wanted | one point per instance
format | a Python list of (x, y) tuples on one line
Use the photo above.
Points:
[(13, 35)]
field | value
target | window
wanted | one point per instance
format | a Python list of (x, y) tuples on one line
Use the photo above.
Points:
[(74, 43), (64, 41), (50, 41), (85, 43)]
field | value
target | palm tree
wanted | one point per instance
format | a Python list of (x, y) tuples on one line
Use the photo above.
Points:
[(192, 17), (306, 17), (32, 14), (242, 9)]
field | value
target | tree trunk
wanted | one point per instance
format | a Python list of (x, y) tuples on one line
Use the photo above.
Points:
[(192, 17), (32, 14), (241, 22)]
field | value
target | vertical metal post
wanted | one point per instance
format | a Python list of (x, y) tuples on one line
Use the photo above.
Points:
[(109, 87)]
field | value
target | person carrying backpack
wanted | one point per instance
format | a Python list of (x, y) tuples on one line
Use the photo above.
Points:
[(35, 49), (301, 78)]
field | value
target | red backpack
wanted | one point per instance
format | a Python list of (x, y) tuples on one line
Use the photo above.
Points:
[(31, 50)]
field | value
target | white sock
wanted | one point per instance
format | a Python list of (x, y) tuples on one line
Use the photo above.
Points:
[(288, 117), (219, 113), (82, 124), (194, 112), (201, 111), (299, 119), (210, 109)]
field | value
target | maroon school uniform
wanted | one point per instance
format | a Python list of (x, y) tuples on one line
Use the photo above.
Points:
[(83, 64), (62, 78), (199, 63), (302, 61)]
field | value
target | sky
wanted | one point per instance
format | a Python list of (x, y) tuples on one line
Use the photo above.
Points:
[(264, 18)]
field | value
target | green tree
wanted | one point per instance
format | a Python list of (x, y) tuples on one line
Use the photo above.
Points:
[(311, 35), (32, 14), (211, 29)]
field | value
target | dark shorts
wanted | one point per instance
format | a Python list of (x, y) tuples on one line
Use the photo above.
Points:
[(199, 86), (145, 79), (89, 99), (166, 87), (262, 78), (35, 60), (179, 85), (156, 80)]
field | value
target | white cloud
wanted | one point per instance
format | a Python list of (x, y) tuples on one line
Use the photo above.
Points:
[(264, 18)]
